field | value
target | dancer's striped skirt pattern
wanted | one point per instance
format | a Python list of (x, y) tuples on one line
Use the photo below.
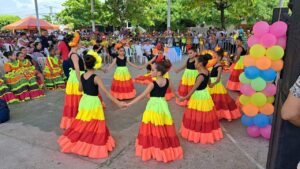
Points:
[(122, 86), (186, 84)]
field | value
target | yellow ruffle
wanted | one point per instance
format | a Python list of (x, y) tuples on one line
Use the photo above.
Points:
[(122, 74), (218, 88), (240, 63), (90, 108), (73, 89), (167, 76), (201, 101), (156, 118), (189, 77)]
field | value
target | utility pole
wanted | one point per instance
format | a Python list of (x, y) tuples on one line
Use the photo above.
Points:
[(51, 13), (92, 11), (37, 17), (281, 2), (169, 16)]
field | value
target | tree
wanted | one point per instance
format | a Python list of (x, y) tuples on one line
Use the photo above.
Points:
[(8, 19)]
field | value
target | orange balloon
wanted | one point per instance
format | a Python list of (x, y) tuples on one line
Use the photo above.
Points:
[(263, 63), (250, 110), (249, 61), (267, 109), (277, 65)]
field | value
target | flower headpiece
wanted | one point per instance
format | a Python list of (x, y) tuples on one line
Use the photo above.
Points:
[(212, 61), (98, 58), (75, 40), (118, 46)]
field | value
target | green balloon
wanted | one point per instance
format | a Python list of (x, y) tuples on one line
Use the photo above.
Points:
[(258, 84), (259, 99), (244, 79), (257, 51), (244, 100), (275, 53)]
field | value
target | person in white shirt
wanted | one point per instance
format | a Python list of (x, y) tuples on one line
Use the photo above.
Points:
[(147, 49), (23, 41)]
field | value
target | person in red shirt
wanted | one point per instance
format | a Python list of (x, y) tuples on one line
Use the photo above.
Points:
[(64, 53)]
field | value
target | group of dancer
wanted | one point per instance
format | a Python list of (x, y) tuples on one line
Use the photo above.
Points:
[(200, 90)]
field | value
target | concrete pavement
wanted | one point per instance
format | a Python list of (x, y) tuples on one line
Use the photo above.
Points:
[(28, 140)]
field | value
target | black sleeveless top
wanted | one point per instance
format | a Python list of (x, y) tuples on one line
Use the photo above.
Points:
[(214, 72), (204, 83), (190, 65), (244, 52), (80, 62), (121, 62), (158, 91), (89, 86), (157, 61)]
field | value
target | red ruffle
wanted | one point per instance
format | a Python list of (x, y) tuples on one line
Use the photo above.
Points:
[(234, 86), (169, 94), (122, 86), (204, 122), (70, 110), (144, 80), (9, 97), (157, 136), (234, 76), (226, 107), (36, 93), (92, 132)]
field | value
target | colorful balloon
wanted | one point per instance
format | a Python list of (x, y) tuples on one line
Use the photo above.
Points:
[(258, 99), (266, 132), (247, 90), (270, 99), (244, 100), (261, 28), (252, 41), (249, 61), (261, 120), (263, 63), (253, 131), (281, 42), (268, 75), (251, 72), (267, 109), (268, 40), (257, 51), (275, 52), (270, 89), (278, 29), (277, 65), (258, 84), (250, 110), (247, 121), (244, 79)]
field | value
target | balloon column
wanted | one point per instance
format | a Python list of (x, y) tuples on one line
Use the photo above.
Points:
[(261, 67)]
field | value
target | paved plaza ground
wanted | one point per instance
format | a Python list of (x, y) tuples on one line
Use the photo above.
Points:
[(28, 140)]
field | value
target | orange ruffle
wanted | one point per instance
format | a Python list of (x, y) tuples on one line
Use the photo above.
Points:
[(169, 94), (229, 115), (235, 86), (124, 96), (181, 103), (163, 155), (66, 122), (85, 149), (202, 138)]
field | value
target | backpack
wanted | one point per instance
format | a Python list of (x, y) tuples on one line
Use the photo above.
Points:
[(4, 111)]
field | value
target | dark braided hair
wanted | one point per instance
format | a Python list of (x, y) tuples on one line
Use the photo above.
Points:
[(204, 59), (163, 66)]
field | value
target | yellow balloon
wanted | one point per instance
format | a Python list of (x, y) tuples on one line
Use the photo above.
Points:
[(275, 52), (257, 51)]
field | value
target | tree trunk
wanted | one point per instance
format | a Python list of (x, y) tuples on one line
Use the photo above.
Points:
[(222, 18)]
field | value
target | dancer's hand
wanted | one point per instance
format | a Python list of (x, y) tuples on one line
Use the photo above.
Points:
[(211, 85), (104, 70), (122, 104), (176, 70), (181, 98)]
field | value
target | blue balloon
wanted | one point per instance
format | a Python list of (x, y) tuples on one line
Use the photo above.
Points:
[(268, 75), (261, 120), (251, 72), (270, 119), (247, 121)]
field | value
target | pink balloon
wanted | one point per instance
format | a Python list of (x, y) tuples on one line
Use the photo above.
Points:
[(253, 131), (278, 28), (281, 42), (252, 41), (270, 90), (266, 132), (268, 40), (261, 28), (247, 90)]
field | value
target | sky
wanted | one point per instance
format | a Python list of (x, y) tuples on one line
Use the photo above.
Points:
[(24, 8)]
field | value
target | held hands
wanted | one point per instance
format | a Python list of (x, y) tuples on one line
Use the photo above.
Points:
[(122, 104), (180, 97), (211, 85)]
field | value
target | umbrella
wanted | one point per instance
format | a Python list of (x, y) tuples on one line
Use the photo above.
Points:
[(29, 23)]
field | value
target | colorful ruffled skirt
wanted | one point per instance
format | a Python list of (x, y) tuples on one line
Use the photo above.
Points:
[(157, 137), (200, 123), (88, 134), (186, 84), (18, 85), (56, 80), (225, 106), (144, 79), (72, 99), (234, 81), (122, 86), (34, 89), (6, 94)]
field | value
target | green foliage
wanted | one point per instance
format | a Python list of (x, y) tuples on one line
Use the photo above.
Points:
[(153, 13), (8, 19)]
